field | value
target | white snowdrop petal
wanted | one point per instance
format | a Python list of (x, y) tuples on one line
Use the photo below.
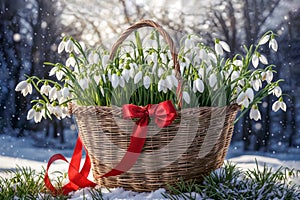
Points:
[(160, 72), (276, 106), (212, 80), (114, 81), (174, 80), (161, 85), (138, 77), (240, 98), (199, 85), (225, 46), (95, 58), (97, 78), (52, 93), (30, 114), (263, 59), (29, 88), (235, 75), (52, 71), (121, 81), (255, 61), (246, 102), (169, 82), (186, 97), (147, 82), (264, 40), (283, 106), (277, 91), (61, 47), (203, 55), (238, 63), (218, 49), (38, 117), (69, 46), (274, 45), (250, 94), (65, 92), (21, 86)]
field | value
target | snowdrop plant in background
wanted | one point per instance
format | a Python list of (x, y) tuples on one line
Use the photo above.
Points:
[(144, 74)]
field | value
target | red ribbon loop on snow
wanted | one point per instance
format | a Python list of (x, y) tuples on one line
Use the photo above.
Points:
[(163, 113)]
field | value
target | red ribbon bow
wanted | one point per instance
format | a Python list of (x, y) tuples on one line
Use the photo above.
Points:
[(163, 113)]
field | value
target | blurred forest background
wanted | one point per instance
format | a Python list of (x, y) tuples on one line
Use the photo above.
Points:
[(31, 30)]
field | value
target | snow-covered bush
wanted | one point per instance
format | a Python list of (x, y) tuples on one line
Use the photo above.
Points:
[(144, 74)]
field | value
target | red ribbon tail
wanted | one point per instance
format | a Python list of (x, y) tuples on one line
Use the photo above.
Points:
[(78, 179)]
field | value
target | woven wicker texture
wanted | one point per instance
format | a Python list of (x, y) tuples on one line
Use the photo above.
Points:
[(191, 147), (199, 139)]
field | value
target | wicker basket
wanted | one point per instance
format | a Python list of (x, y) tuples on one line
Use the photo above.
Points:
[(191, 147)]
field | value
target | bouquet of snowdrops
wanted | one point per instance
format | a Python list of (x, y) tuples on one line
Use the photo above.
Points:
[(143, 74)]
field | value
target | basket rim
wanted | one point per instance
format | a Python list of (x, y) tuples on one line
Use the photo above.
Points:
[(73, 108)]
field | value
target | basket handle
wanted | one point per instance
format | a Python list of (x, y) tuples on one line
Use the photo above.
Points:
[(163, 33)]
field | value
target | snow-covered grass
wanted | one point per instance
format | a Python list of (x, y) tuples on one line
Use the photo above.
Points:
[(249, 175), (229, 182)]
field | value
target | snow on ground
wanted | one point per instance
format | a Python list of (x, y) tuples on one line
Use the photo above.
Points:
[(24, 153)]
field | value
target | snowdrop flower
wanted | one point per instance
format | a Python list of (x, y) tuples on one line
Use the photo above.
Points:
[(162, 86), (58, 73), (263, 59), (132, 72), (174, 80), (245, 98), (256, 84), (212, 80), (238, 63), (203, 55), (70, 61), (169, 82), (105, 60), (255, 113), (276, 91), (259, 57), (163, 57), (56, 110), (279, 104), (61, 47), (264, 40), (212, 57), (273, 44), (138, 77), (235, 75), (186, 97), (24, 87), (267, 76), (220, 45), (199, 85), (64, 112), (114, 81), (147, 82), (53, 94), (65, 92), (45, 89), (84, 83), (121, 81), (38, 116), (97, 78), (160, 72), (69, 46), (188, 44), (126, 74)]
